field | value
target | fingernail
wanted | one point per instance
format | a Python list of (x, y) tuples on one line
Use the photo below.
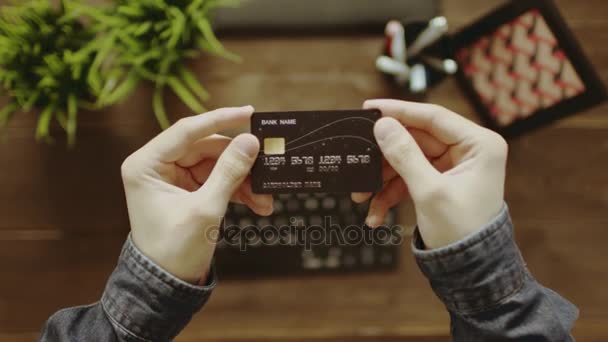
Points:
[(262, 200), (384, 127), (269, 206), (265, 209), (269, 210), (248, 107), (369, 103), (373, 221), (247, 144), (360, 197)]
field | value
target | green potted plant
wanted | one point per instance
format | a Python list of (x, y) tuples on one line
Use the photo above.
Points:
[(55, 62), (46, 58), (151, 40)]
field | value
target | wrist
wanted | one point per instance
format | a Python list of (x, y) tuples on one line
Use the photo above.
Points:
[(477, 272), (184, 259), (450, 226), (147, 301)]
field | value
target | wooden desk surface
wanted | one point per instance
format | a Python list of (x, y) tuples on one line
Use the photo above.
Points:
[(63, 216)]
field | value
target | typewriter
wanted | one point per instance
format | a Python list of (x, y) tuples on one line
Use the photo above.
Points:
[(307, 234)]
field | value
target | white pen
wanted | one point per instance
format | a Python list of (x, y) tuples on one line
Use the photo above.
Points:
[(418, 79), (437, 27), (393, 67), (396, 32), (448, 65)]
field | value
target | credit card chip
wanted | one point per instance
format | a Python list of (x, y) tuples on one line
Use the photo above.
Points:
[(274, 146)]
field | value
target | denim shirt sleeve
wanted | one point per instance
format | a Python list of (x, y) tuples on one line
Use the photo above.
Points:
[(141, 302), (488, 290)]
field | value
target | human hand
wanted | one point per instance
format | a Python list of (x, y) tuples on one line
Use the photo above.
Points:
[(453, 170), (179, 184)]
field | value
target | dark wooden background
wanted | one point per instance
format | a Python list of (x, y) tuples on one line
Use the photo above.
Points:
[(63, 216)]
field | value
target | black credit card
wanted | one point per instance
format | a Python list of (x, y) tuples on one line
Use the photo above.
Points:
[(316, 151)]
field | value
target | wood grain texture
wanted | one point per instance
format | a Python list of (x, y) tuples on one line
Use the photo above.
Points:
[(63, 216)]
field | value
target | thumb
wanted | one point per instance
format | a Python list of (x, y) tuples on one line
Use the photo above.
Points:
[(231, 169), (405, 156)]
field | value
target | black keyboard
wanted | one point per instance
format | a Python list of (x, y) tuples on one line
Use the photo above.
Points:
[(307, 233)]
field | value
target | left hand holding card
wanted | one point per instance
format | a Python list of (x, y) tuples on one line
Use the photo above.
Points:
[(179, 184)]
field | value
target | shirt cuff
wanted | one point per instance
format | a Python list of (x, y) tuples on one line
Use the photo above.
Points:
[(147, 302), (477, 272)]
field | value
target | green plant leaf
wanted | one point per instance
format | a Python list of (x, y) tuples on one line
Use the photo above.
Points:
[(62, 120), (185, 95), (205, 45), (194, 6), (44, 122), (178, 26), (223, 3), (104, 46), (146, 73), (112, 78), (194, 85), (146, 56), (6, 113), (166, 64), (71, 124), (143, 28), (131, 11), (103, 15), (159, 108), (87, 105), (33, 97), (205, 27), (131, 42), (126, 87)]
